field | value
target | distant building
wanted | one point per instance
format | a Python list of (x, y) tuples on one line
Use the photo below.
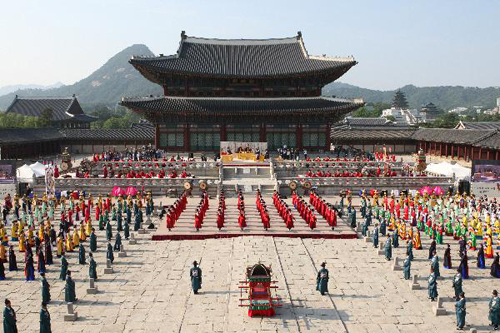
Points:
[(478, 125), (459, 110), (429, 112), (401, 112), (498, 102), (66, 111)]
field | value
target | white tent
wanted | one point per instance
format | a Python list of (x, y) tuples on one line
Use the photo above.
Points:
[(25, 174), (39, 169), (448, 169)]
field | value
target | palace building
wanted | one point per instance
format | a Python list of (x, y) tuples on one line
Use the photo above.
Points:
[(241, 90)]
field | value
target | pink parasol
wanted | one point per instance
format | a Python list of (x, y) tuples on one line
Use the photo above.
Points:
[(117, 191), (425, 189), (131, 191), (438, 190)]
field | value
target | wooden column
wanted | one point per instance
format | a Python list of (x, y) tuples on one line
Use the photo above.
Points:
[(327, 136), (223, 132), (157, 136), (262, 133), (186, 138), (298, 136)]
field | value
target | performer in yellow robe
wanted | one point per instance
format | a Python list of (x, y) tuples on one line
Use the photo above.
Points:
[(88, 228), (488, 253), (69, 244), (22, 242), (3, 253), (41, 232), (60, 246), (417, 244), (14, 232), (82, 235), (76, 239), (31, 237)]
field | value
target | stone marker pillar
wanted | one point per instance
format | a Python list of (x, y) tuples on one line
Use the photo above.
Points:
[(414, 283), (438, 308), (71, 315), (380, 249), (368, 239), (396, 266), (122, 252), (109, 268), (132, 240), (92, 289)]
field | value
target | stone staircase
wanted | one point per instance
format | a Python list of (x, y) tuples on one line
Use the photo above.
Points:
[(247, 178)]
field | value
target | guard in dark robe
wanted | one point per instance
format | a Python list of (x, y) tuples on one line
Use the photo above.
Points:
[(45, 288), (365, 227), (481, 263), (432, 286), (2, 271), (9, 318), (45, 326), (12, 259), (109, 231), (395, 239), (118, 242), (137, 223), (48, 253), (69, 289), (81, 254), (447, 258), (119, 225), (41, 262), (383, 228), (126, 231), (409, 249), (463, 246), (457, 284), (93, 241), (29, 269), (64, 268), (196, 279), (464, 266), (435, 265), (460, 311), (92, 267), (375, 236), (494, 310), (495, 267), (388, 248), (109, 253), (432, 249), (407, 268), (322, 279)]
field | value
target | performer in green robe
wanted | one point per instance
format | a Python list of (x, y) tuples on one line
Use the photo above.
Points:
[(407, 268), (494, 310), (322, 279), (45, 288), (126, 231), (93, 241), (9, 318), (435, 265), (69, 292), (195, 275), (109, 231), (45, 326), (457, 284), (432, 287), (64, 268), (460, 311), (409, 249), (388, 248), (81, 254), (118, 242), (109, 253), (92, 267)]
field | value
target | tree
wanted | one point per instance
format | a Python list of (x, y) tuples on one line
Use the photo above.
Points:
[(46, 117), (399, 100), (391, 118)]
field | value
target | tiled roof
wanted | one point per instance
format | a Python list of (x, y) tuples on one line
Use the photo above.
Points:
[(110, 134), (243, 58), (28, 135), (371, 133), (62, 108), (480, 125), (492, 141), (460, 136), (239, 106)]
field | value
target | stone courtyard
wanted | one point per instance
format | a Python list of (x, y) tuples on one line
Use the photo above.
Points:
[(150, 291)]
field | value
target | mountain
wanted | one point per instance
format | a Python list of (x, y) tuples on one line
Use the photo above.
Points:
[(117, 78), (107, 85), (9, 89), (444, 97)]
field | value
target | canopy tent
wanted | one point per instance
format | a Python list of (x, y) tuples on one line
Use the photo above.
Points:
[(25, 174), (39, 169), (448, 169)]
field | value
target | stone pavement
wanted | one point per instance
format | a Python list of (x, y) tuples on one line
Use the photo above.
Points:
[(150, 290)]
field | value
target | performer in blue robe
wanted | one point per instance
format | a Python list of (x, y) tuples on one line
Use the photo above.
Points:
[(93, 241), (109, 231), (109, 253), (69, 292), (118, 242), (196, 277), (395, 239), (457, 284), (45, 288), (432, 286), (92, 267), (435, 265), (375, 236), (9, 318), (12, 259), (81, 254), (494, 310), (126, 231), (409, 249), (481, 262), (407, 268), (45, 326), (137, 224), (460, 311), (322, 279), (64, 268), (119, 225), (383, 227)]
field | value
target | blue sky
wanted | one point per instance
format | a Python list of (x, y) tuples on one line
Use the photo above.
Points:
[(426, 42)]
